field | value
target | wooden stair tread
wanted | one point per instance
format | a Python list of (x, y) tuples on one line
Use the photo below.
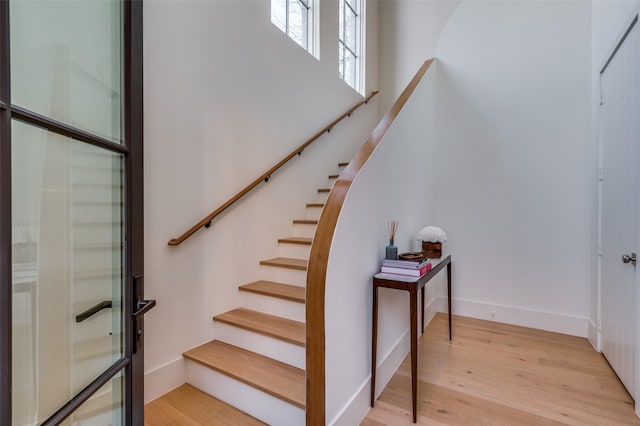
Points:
[(305, 221), (334, 176), (270, 325), (296, 240), (187, 405), (273, 377), (343, 164), (324, 190), (286, 262), (279, 290), (315, 205)]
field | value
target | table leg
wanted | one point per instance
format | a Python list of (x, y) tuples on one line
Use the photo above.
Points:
[(449, 295), (413, 301), (374, 343), (422, 310)]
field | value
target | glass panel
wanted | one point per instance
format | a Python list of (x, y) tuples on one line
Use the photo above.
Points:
[(298, 22), (350, 69), (65, 62), (341, 59), (350, 30), (279, 14), (104, 408), (67, 243)]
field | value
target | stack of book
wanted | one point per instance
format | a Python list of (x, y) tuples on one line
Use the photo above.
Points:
[(406, 267)]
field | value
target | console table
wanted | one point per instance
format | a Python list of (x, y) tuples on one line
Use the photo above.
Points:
[(412, 285)]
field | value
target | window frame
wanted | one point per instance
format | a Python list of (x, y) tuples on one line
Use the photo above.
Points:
[(356, 9), (309, 42)]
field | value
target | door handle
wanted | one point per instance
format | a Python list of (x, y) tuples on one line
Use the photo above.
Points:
[(629, 258), (142, 307)]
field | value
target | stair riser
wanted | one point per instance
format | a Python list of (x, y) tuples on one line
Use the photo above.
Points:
[(322, 197), (272, 305), (313, 213), (103, 416), (264, 345), (95, 261), (244, 397), (94, 159), (96, 233), (283, 275), (96, 213), (99, 174), (303, 230), (295, 251)]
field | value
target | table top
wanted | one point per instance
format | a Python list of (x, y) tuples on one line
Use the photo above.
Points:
[(436, 265)]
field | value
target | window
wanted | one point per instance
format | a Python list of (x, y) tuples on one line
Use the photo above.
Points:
[(295, 19), (350, 42)]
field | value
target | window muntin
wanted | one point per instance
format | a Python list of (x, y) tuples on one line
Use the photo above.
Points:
[(295, 18), (350, 43)]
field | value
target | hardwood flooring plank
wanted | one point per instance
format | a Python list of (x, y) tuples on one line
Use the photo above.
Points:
[(498, 374), (188, 406)]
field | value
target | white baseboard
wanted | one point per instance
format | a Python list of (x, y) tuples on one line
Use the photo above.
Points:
[(163, 379), (549, 321), (357, 407)]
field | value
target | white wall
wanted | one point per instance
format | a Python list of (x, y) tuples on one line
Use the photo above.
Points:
[(513, 170), (396, 183), (227, 95), (409, 34)]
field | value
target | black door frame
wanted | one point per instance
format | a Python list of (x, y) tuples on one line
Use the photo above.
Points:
[(133, 360)]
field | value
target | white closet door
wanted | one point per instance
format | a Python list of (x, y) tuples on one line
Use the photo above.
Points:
[(620, 146)]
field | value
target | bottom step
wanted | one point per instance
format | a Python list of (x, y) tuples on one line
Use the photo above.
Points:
[(187, 405), (276, 378)]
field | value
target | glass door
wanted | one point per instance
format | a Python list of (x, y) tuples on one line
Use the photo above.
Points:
[(71, 221)]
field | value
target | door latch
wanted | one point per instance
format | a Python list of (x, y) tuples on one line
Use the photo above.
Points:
[(629, 258), (140, 308)]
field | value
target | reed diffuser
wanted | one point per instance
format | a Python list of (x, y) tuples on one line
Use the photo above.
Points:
[(391, 252)]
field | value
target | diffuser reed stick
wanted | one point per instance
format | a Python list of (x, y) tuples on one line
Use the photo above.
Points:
[(392, 226)]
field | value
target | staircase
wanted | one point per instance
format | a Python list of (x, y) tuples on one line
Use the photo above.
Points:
[(257, 362)]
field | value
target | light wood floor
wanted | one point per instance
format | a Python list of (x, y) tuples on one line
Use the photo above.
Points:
[(188, 406), (497, 374)]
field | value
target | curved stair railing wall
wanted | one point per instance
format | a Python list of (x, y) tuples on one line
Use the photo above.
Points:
[(389, 178)]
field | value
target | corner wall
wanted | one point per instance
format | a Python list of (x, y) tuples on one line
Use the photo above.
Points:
[(514, 169), (227, 95), (409, 34)]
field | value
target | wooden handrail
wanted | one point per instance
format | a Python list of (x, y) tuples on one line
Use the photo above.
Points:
[(317, 271), (206, 222)]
